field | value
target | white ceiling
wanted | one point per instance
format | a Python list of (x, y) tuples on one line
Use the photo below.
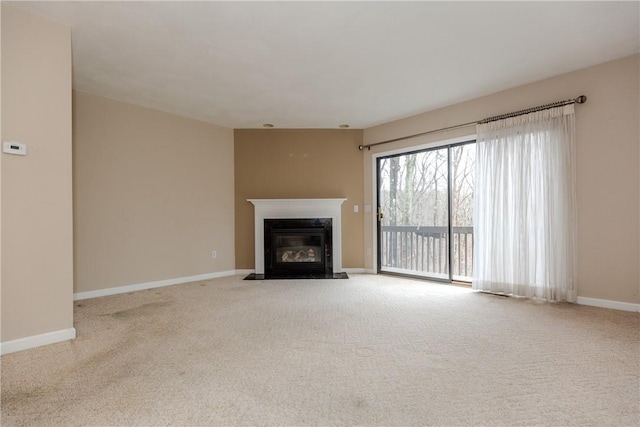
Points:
[(322, 64)]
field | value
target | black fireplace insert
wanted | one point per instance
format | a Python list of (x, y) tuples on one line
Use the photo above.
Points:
[(297, 248)]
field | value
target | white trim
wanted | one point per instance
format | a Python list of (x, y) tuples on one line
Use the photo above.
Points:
[(37, 340), (298, 208), (605, 303), (245, 271), (354, 270), (149, 285)]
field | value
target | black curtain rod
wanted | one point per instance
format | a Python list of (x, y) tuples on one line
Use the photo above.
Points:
[(579, 100)]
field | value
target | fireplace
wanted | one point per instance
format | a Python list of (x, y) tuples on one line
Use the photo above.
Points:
[(297, 247), (300, 232)]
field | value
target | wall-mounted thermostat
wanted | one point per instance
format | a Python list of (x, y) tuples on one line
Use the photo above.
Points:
[(12, 147)]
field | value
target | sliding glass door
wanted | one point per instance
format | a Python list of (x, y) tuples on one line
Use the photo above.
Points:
[(462, 171), (425, 212)]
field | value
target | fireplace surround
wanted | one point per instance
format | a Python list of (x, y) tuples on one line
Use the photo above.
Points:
[(300, 210)]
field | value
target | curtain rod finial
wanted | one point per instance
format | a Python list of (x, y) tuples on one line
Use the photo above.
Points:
[(581, 99)]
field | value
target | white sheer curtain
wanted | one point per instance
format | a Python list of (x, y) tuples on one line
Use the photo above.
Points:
[(525, 206)]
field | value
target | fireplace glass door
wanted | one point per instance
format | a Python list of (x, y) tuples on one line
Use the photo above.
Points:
[(298, 247)]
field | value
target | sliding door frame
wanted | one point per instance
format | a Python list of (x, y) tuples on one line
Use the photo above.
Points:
[(377, 158)]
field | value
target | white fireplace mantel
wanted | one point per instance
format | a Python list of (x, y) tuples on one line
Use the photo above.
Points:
[(302, 209)]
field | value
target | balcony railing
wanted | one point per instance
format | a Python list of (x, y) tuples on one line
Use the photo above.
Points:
[(424, 249)]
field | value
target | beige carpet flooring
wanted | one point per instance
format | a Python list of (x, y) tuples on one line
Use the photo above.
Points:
[(371, 350)]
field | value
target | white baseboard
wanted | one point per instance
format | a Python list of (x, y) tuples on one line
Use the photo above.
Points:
[(37, 340), (245, 271), (604, 303), (149, 285), (595, 302)]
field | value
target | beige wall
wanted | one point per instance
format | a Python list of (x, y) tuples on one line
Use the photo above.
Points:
[(37, 254), (299, 163), (153, 195), (0, 182), (608, 140)]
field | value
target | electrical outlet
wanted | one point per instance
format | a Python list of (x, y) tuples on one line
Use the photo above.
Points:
[(214, 254), (13, 147)]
